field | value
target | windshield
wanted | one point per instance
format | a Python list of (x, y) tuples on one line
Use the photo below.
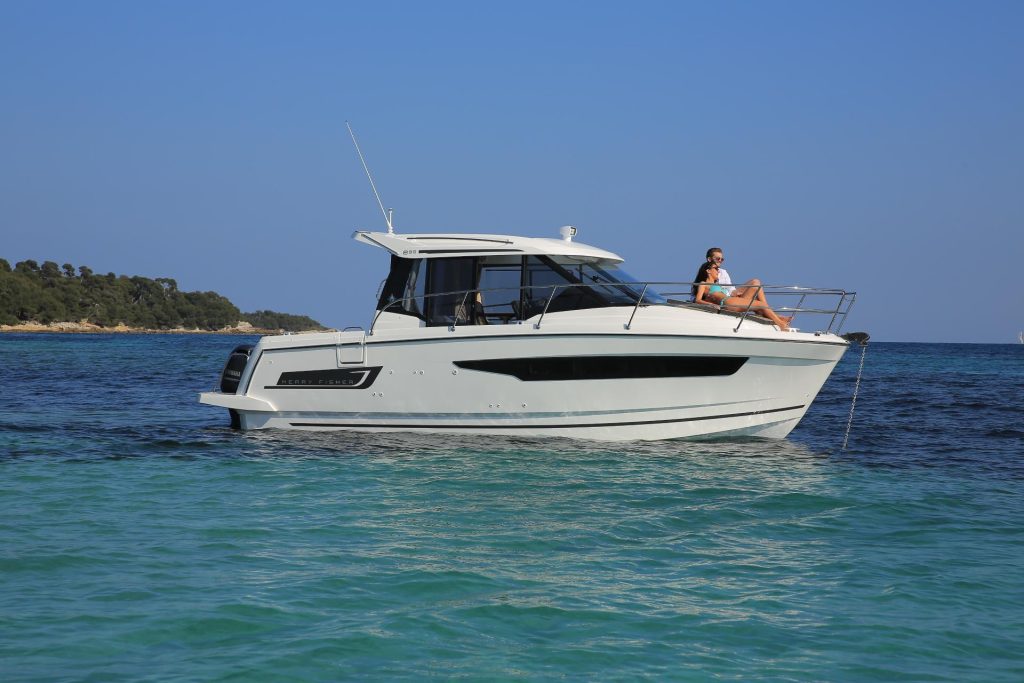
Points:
[(567, 284), (614, 283)]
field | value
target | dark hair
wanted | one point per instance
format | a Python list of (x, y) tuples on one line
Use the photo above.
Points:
[(711, 251), (702, 276)]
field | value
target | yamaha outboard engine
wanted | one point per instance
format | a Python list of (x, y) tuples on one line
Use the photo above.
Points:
[(232, 374), (232, 371)]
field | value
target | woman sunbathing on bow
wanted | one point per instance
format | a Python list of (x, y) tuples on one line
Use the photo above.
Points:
[(751, 298)]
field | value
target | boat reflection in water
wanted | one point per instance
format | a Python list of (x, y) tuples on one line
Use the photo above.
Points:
[(494, 334)]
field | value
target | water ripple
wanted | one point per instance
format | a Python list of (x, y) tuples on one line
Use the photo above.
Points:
[(141, 539)]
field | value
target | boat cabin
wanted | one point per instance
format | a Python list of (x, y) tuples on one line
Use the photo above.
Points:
[(445, 279)]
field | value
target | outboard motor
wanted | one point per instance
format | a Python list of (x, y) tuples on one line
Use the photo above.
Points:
[(232, 374)]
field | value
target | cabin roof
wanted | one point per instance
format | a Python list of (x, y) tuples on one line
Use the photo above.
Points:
[(441, 245)]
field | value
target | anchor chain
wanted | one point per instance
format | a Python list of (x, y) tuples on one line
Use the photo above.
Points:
[(855, 336)]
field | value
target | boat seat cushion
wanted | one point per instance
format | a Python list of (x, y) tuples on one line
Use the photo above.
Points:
[(712, 308)]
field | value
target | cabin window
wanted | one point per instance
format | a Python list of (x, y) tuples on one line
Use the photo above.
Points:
[(500, 295), (415, 289), (501, 289), (555, 287), (612, 283), (404, 289), (449, 285), (394, 286)]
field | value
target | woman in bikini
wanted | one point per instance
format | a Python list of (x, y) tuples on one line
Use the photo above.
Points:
[(708, 291)]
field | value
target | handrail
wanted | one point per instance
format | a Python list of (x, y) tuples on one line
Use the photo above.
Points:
[(636, 306), (838, 312), (554, 288), (747, 312)]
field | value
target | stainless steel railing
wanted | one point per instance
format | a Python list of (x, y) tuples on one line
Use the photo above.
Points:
[(835, 303)]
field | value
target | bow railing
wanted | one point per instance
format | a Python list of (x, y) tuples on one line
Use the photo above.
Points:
[(531, 303)]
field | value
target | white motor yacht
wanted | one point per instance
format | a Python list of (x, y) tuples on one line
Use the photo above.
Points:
[(494, 334)]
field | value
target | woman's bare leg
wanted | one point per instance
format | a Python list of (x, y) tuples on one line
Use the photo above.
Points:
[(755, 301), (753, 285), (782, 323), (742, 289)]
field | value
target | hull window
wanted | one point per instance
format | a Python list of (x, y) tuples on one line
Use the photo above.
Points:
[(560, 369)]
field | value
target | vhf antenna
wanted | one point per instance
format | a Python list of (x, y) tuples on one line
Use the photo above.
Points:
[(387, 213)]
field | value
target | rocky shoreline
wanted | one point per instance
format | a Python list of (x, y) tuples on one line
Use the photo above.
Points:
[(89, 328)]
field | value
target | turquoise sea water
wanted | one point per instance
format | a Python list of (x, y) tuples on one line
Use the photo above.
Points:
[(142, 540)]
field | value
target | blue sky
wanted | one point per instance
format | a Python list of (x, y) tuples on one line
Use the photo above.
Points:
[(871, 146)]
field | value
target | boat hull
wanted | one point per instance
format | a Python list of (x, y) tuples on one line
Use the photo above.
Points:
[(517, 380)]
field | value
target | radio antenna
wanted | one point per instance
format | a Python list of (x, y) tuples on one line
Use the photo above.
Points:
[(387, 213)]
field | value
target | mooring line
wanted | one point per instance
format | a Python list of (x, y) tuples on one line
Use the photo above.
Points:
[(856, 390)]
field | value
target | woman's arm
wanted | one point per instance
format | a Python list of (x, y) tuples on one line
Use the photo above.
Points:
[(699, 298)]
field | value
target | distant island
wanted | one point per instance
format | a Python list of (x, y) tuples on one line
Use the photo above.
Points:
[(56, 298)]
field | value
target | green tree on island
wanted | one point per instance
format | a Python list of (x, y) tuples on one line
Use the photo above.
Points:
[(52, 293)]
